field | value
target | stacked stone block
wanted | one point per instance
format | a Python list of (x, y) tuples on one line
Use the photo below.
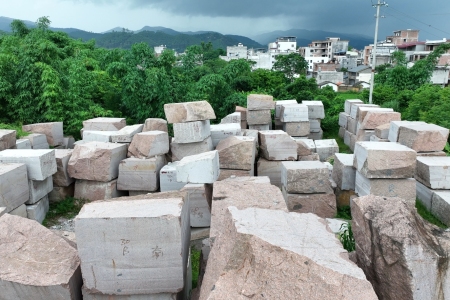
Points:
[(63, 184), (316, 113), (243, 112), (278, 105), (294, 119), (237, 153), (37, 141), (344, 175), (259, 111)]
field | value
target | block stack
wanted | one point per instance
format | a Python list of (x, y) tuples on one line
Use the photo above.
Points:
[(381, 133), (278, 104), (294, 119), (259, 108), (344, 176), (168, 178), (276, 146), (95, 166), (237, 156), (53, 132), (101, 129), (368, 118), (40, 166), (37, 141), (14, 187), (243, 112), (307, 188), (199, 197), (385, 169), (348, 123), (316, 113), (63, 184), (222, 131), (306, 149), (326, 148)]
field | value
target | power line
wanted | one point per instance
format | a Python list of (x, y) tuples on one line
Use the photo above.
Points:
[(413, 25)]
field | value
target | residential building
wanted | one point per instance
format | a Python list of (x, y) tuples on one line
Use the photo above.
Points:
[(323, 51), (360, 73), (159, 49), (403, 36), (324, 84), (236, 52)]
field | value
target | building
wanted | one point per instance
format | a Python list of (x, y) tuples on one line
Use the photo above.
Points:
[(360, 73), (236, 52), (324, 84), (324, 51), (159, 49), (403, 36)]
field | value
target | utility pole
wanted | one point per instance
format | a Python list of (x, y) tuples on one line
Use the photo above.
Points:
[(374, 50)]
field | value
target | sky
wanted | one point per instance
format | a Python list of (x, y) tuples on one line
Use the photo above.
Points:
[(242, 17)]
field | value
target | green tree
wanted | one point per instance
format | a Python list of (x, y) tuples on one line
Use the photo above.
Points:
[(291, 65)]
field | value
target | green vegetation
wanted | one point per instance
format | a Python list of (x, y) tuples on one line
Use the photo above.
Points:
[(344, 212), (428, 216), (346, 237), (195, 262), (68, 209), (18, 128)]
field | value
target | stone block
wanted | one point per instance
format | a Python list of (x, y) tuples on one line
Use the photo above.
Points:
[(348, 104), (113, 238), (279, 104), (434, 153), (36, 263), (37, 140), (200, 168), (280, 254), (343, 171), (305, 146), (137, 174), (434, 172), (354, 113), (306, 177), (352, 124), (7, 139), (440, 206), (382, 131), (180, 150), (2, 211), (271, 169), (38, 210), (152, 124), (343, 197), (96, 161), (402, 188), (23, 144), (374, 138), (310, 157), (126, 134), (375, 118), (384, 160), (168, 178), (148, 144), (188, 112), (259, 127), (395, 126), (98, 296), (314, 125), (341, 132), (232, 118), (277, 145), (326, 148), (230, 173), (40, 163), (297, 128), (343, 119), (61, 177), (243, 112), (251, 133), (323, 205), (315, 109), (278, 124), (39, 189), (199, 198), (68, 142), (191, 132), (20, 211), (424, 194), (347, 137), (316, 135), (52, 130), (97, 190), (237, 152), (293, 113), (255, 117), (423, 137), (244, 124), (259, 102), (98, 136), (222, 131), (363, 135), (59, 193), (104, 124), (14, 190)]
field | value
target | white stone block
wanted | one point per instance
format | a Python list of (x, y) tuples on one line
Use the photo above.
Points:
[(255, 117), (314, 125), (180, 150), (348, 104), (200, 168), (146, 242), (104, 124), (424, 194), (199, 195), (2, 211), (315, 109), (278, 105), (222, 131), (23, 144), (305, 177), (232, 118), (434, 172), (394, 129), (259, 127), (440, 206), (326, 148), (293, 113), (316, 135), (20, 211), (38, 210), (7, 139), (37, 140), (277, 145), (354, 113), (341, 132), (374, 138), (343, 171), (352, 125), (297, 128), (126, 134), (192, 132), (98, 136), (14, 190), (168, 178), (343, 119), (137, 174), (258, 102), (40, 163), (69, 141), (148, 144), (39, 189)]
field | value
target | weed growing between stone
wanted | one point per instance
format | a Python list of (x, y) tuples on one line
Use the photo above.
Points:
[(195, 261), (424, 213), (343, 212), (346, 237), (68, 209)]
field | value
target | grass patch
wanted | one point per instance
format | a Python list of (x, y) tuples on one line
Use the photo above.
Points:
[(424, 213), (17, 127), (346, 237), (343, 148), (68, 208), (195, 262), (344, 212)]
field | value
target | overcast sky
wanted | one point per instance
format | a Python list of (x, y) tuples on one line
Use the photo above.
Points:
[(243, 17)]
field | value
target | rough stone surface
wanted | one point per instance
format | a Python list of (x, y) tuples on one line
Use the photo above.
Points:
[(267, 254), (423, 137), (180, 150), (348, 104), (373, 119), (59, 193), (440, 207), (191, 132), (401, 255), (305, 147), (39, 189), (271, 169), (7, 139), (113, 238), (228, 173), (51, 265), (277, 145), (242, 194), (394, 129), (237, 152), (232, 118), (315, 109), (354, 113), (384, 160), (306, 177), (297, 128), (38, 210), (199, 198), (61, 177), (96, 161), (293, 113), (323, 205), (200, 168), (53, 131), (434, 172), (40, 163), (14, 189), (148, 144), (222, 131), (255, 117), (23, 144), (125, 135), (343, 171), (259, 102), (97, 190), (382, 131), (259, 127), (326, 148), (37, 140), (104, 124), (168, 178), (137, 174), (311, 157), (152, 124), (98, 136), (188, 112), (279, 104)]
